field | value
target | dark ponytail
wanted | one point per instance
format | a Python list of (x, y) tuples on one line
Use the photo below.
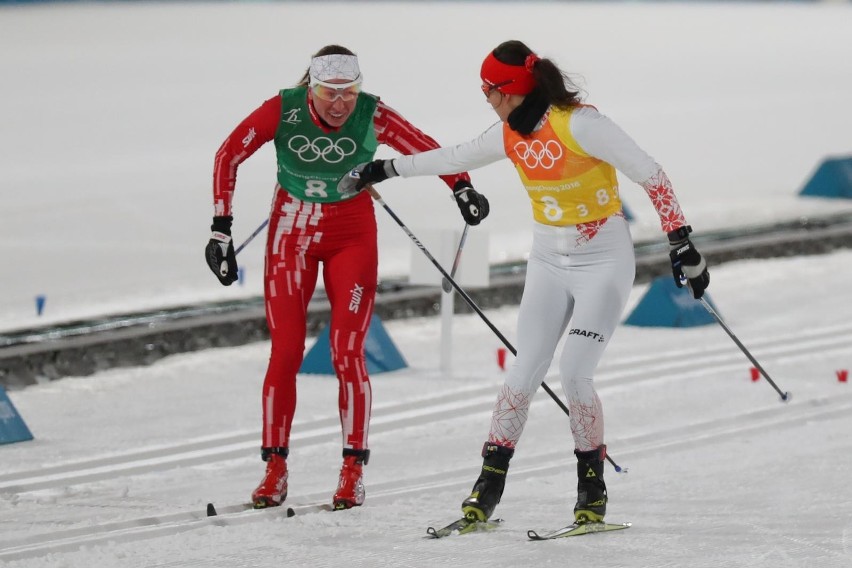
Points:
[(552, 85)]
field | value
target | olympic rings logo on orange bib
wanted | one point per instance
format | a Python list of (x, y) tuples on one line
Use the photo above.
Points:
[(537, 154)]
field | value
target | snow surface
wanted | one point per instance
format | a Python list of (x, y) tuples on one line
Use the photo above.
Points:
[(721, 473)]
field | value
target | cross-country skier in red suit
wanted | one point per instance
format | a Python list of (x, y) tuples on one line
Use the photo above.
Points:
[(322, 128)]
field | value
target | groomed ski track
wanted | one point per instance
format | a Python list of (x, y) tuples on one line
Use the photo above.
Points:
[(468, 407)]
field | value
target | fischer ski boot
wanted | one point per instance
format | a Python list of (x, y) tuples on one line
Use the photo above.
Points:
[(591, 489), (489, 486), (350, 490), (273, 488)]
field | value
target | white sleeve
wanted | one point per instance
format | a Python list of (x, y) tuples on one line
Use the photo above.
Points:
[(481, 151), (602, 138)]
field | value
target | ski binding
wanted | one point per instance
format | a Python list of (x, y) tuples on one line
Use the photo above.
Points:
[(463, 526)]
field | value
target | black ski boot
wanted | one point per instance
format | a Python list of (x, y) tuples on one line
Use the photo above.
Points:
[(591, 489), (489, 486)]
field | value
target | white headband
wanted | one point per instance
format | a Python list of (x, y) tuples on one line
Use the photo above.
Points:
[(335, 66)]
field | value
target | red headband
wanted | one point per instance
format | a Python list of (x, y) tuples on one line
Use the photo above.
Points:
[(512, 79)]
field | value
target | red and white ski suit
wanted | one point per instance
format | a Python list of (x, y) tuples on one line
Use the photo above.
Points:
[(342, 236)]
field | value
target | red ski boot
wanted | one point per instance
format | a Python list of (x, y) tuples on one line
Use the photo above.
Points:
[(350, 490), (273, 488)]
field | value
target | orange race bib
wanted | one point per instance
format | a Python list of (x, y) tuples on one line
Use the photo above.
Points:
[(566, 186)]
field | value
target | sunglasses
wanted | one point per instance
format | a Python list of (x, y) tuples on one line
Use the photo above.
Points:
[(330, 92), (489, 88)]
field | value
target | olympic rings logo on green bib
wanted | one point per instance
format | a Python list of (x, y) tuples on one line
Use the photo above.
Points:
[(322, 148)]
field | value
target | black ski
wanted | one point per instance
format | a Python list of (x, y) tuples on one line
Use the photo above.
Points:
[(212, 511)]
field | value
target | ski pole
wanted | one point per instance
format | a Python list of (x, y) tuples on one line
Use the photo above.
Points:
[(252, 236), (468, 300), (445, 284), (785, 396)]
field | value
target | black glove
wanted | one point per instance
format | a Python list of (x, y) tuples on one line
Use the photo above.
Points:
[(526, 116), (473, 205), (687, 263), (375, 172), (220, 251)]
